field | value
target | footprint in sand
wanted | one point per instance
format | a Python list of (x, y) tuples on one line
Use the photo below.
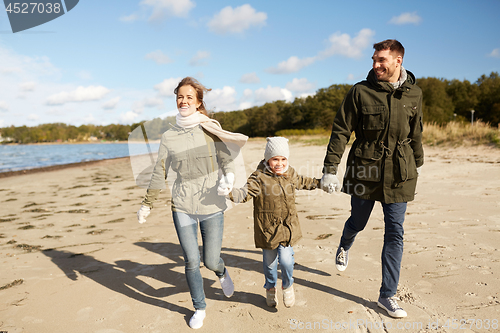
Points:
[(84, 314)]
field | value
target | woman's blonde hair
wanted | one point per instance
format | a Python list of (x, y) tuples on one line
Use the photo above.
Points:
[(198, 87)]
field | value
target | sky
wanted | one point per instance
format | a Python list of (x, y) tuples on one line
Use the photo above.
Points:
[(118, 61)]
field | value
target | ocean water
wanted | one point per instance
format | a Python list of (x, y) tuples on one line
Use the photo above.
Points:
[(21, 157)]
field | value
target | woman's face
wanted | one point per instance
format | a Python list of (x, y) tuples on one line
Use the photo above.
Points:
[(187, 102)]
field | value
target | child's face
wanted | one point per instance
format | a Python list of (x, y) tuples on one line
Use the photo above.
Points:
[(278, 164)]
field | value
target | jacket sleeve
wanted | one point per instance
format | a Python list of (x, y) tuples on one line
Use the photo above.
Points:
[(416, 129), (306, 183), (158, 176), (251, 189), (343, 125)]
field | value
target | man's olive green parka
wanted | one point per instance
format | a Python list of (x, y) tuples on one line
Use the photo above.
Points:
[(383, 160)]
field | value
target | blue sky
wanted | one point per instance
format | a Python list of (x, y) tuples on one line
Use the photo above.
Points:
[(117, 61)]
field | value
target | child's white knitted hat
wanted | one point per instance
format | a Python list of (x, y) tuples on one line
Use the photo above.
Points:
[(276, 146)]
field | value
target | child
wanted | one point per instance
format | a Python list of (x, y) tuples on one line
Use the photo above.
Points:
[(276, 224)]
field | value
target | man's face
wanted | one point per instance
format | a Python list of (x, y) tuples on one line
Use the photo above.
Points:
[(387, 65)]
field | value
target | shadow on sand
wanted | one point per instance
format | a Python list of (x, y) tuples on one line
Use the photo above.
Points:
[(122, 276)]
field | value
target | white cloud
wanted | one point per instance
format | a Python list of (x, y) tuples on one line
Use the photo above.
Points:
[(341, 44), (406, 18), (236, 20), (159, 57), (344, 45), (197, 60), (81, 94), (32, 117), (3, 106), (89, 119), (495, 53), (221, 99), (247, 93), (25, 67), (165, 8), (27, 86), (271, 94), (300, 85), (249, 78), (305, 95), (292, 65), (85, 75), (128, 117), (148, 102), (55, 112), (166, 88), (129, 18), (111, 104), (245, 105), (1, 123)]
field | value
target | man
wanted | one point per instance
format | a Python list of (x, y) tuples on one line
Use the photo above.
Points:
[(385, 113)]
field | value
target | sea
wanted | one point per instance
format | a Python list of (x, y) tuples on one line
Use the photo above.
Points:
[(22, 157)]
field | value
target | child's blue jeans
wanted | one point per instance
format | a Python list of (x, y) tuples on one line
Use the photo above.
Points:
[(283, 255)]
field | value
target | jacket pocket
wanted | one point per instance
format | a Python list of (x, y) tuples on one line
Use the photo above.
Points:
[(373, 117), (406, 161), (368, 159)]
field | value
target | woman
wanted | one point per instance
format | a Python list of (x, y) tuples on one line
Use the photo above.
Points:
[(197, 150)]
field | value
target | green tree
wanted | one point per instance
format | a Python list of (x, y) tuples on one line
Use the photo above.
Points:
[(488, 107), (437, 105)]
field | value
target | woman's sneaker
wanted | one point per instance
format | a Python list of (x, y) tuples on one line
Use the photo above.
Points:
[(196, 320), (390, 305), (288, 297), (341, 259), (271, 298), (226, 284)]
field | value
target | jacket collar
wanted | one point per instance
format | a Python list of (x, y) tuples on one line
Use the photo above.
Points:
[(408, 84)]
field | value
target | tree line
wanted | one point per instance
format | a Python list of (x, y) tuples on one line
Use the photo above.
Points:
[(443, 101)]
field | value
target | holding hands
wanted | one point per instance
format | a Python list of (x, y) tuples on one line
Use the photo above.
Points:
[(330, 183), (226, 183)]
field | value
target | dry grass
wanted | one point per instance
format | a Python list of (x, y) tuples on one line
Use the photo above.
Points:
[(450, 134), (461, 134)]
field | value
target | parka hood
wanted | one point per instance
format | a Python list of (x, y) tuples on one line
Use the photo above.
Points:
[(372, 79)]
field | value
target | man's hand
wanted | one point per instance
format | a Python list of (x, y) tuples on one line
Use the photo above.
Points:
[(143, 213), (330, 183), (225, 184)]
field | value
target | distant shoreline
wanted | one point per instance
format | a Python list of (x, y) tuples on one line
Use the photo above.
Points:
[(60, 143), (56, 167)]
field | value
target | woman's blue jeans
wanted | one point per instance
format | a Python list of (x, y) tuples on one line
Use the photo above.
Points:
[(283, 255), (392, 252), (211, 227)]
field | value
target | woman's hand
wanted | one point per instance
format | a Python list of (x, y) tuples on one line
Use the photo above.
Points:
[(225, 184), (143, 213)]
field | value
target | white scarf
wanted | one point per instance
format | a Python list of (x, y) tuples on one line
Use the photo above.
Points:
[(212, 126)]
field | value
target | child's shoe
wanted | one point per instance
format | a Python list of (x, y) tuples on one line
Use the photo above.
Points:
[(271, 298), (288, 297), (196, 320)]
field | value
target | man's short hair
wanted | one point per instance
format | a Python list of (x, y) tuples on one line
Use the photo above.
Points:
[(390, 44)]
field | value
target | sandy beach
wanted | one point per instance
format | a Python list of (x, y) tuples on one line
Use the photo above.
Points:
[(75, 259)]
